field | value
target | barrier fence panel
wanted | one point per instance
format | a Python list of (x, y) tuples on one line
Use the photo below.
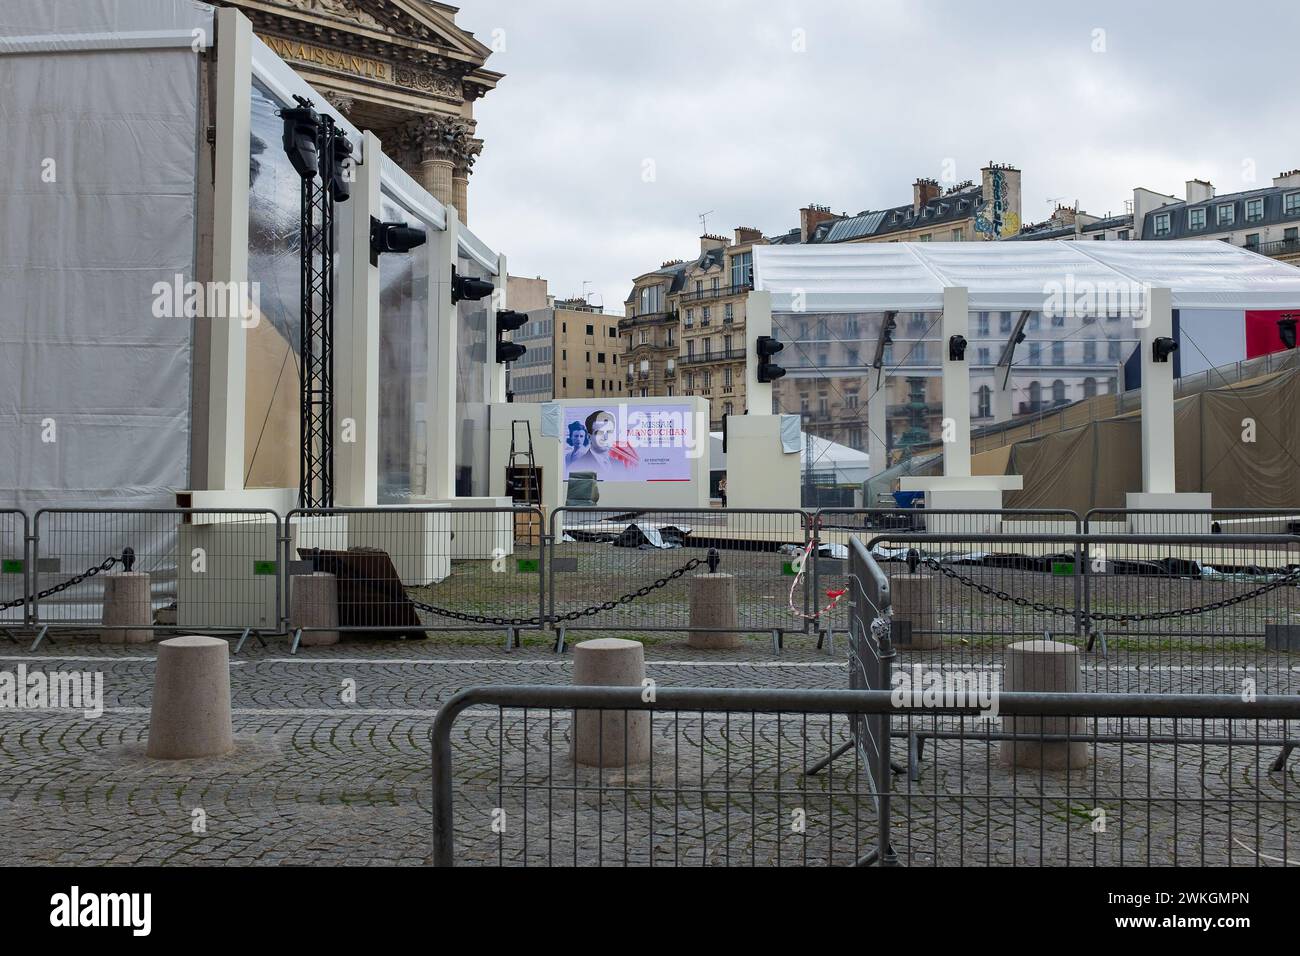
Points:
[(626, 570), (15, 567), (835, 527), (409, 571), (1100, 780), (1187, 521), (871, 660), (1156, 614), (206, 570), (692, 776)]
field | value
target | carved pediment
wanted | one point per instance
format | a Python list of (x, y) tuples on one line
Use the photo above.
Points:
[(409, 19)]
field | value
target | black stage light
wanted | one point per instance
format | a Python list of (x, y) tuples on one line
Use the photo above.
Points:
[(1286, 330), (508, 321), (956, 348), (392, 237), (767, 347), (301, 131), (339, 168), (1162, 348), (466, 287)]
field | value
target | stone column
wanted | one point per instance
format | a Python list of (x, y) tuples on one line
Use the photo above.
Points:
[(460, 191), (434, 175), (442, 150)]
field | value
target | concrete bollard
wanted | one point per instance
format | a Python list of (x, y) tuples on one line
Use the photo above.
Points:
[(1044, 667), (610, 738), (913, 603), (314, 602), (128, 610), (191, 700), (713, 604)]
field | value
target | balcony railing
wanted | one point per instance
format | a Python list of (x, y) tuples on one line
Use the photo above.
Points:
[(722, 355), (718, 293), (651, 318), (1278, 247)]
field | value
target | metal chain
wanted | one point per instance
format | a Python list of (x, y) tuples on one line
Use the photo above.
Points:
[(104, 565), (538, 620), (1291, 577)]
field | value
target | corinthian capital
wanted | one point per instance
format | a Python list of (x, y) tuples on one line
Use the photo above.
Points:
[(436, 137)]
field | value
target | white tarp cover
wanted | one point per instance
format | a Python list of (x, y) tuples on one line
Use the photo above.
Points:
[(31, 25), (867, 277), (97, 183)]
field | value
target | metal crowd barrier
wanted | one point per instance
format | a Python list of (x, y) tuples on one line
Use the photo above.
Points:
[(626, 570), (1176, 613), (724, 781), (834, 527), (208, 570), (409, 571), (15, 569)]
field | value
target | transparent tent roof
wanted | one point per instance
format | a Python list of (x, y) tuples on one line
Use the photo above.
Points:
[(862, 277)]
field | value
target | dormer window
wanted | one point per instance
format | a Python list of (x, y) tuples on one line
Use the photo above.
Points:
[(1227, 214), (1196, 219), (1161, 225)]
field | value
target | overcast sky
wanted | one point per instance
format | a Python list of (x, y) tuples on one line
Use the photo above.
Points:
[(619, 123)]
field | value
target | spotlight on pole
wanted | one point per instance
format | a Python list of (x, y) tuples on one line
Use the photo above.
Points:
[(508, 321), (392, 237), (340, 186), (301, 131), (956, 348), (1162, 348), (467, 287), (767, 347)]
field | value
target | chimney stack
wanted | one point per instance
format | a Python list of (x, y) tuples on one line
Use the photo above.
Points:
[(1199, 190), (745, 234), (810, 217), (923, 190)]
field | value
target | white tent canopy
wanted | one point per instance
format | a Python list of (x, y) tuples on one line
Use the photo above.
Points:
[(908, 276)]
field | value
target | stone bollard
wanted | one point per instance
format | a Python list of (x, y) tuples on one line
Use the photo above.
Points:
[(191, 700), (911, 597), (1044, 667), (713, 604), (610, 738), (128, 609), (314, 602)]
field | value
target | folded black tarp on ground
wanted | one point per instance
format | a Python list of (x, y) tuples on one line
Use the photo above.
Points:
[(370, 592), (647, 538)]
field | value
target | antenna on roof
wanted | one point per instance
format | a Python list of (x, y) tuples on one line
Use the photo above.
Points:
[(704, 221)]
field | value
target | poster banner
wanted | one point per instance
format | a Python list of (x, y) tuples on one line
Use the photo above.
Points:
[(621, 442)]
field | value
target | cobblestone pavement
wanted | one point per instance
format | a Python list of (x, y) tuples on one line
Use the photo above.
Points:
[(315, 780)]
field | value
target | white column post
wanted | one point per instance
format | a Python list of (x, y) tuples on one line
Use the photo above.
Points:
[(496, 391), (877, 422), (228, 357), (356, 361), (1002, 395), (443, 250), (1157, 398), (758, 321), (956, 385)]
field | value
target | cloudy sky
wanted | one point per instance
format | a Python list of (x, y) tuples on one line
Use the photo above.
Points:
[(619, 123)]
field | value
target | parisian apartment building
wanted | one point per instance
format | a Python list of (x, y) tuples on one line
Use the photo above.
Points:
[(574, 350), (684, 325)]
